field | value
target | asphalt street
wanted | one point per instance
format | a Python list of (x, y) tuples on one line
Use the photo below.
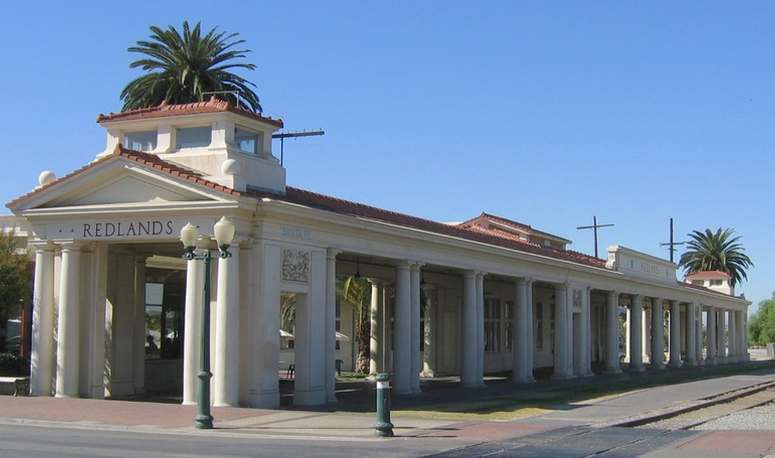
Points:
[(31, 441)]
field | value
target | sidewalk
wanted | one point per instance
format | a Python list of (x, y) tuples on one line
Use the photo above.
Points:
[(358, 425)]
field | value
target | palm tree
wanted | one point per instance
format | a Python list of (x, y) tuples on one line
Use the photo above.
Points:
[(719, 250), (353, 291), (356, 292), (181, 68)]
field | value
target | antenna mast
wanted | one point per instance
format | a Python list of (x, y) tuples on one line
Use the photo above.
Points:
[(594, 228)]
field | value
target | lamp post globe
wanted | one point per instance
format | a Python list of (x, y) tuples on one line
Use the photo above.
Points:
[(189, 235), (224, 232)]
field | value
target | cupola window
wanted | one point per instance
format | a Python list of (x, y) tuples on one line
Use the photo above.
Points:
[(247, 141), (193, 137), (140, 141)]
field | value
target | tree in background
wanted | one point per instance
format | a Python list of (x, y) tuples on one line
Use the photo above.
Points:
[(356, 292), (15, 285), (720, 250), (351, 291), (181, 67), (761, 326)]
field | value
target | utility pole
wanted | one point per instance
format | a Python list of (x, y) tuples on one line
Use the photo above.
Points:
[(594, 228), (672, 243)]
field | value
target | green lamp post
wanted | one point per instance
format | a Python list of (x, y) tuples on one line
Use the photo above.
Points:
[(190, 236)]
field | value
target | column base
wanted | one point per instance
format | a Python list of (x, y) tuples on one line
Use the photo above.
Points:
[(659, 366), (562, 376), (640, 368), (522, 380), (676, 364), (613, 370)]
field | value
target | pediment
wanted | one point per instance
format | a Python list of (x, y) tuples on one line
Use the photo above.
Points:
[(120, 183), (125, 189)]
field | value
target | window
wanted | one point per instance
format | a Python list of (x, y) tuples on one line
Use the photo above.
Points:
[(193, 137), (507, 334), (492, 318), (716, 282), (248, 141), (140, 141), (698, 282)]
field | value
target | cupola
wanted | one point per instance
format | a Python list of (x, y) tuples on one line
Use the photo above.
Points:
[(223, 143)]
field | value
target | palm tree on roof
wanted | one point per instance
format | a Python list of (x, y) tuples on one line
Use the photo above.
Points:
[(720, 250), (182, 67)]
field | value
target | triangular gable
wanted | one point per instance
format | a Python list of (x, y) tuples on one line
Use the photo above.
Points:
[(125, 178)]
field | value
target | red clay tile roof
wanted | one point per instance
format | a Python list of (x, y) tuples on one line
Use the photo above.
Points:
[(481, 221), (214, 105), (333, 204), (709, 274), (149, 160)]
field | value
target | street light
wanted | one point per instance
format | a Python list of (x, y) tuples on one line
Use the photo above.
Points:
[(189, 236)]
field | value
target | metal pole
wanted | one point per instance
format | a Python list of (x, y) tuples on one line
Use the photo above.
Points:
[(204, 420), (672, 244), (383, 427), (594, 228)]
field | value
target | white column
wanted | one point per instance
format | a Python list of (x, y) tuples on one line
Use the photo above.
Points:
[(267, 326), (138, 350), (519, 334), (636, 329), (722, 336), (331, 324), (68, 326), (691, 336), (675, 334), (612, 333), (586, 332), (468, 366), (480, 328), (562, 331), (415, 326), (376, 340), (310, 386), (742, 334), (530, 328), (227, 324), (733, 342), (192, 328), (402, 357), (657, 334), (42, 351), (698, 334), (712, 337), (93, 324)]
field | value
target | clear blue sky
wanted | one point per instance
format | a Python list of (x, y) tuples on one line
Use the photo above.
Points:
[(548, 115)]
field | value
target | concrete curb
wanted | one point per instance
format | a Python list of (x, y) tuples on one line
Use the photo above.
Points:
[(690, 406)]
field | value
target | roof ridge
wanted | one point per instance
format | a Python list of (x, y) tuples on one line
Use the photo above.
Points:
[(213, 105), (370, 211)]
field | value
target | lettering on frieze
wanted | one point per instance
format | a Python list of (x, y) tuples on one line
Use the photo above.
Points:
[(127, 229)]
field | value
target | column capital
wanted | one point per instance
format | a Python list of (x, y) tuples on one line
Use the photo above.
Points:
[(469, 273), (331, 253), (42, 245), (71, 246)]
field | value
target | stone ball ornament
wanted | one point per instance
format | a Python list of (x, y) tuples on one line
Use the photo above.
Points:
[(230, 167), (46, 177)]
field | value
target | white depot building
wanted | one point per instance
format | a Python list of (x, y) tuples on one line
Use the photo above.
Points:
[(117, 311)]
